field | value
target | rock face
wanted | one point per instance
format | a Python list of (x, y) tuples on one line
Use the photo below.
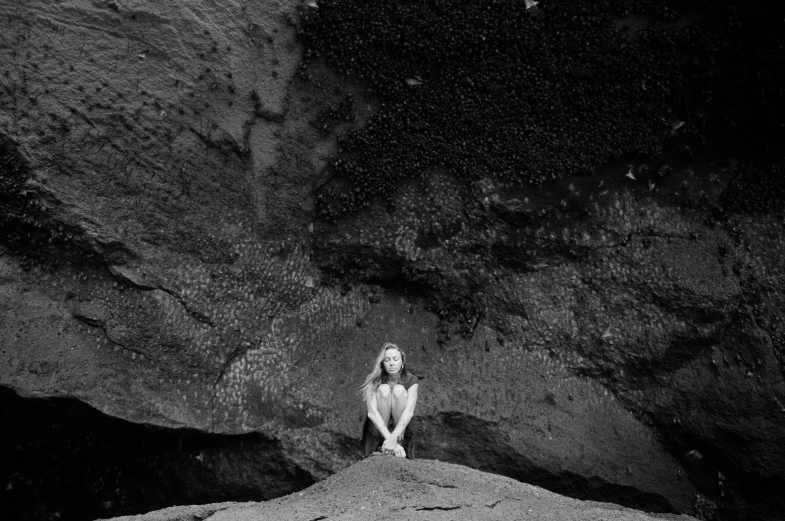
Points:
[(163, 263), (380, 487)]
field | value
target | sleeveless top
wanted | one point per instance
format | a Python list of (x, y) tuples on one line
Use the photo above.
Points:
[(371, 437)]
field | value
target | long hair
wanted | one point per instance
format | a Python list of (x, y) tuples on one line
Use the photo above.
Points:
[(378, 375)]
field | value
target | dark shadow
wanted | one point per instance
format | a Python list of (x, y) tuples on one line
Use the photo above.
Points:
[(61, 459), (466, 440)]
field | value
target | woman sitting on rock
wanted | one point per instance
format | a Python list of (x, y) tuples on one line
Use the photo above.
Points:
[(390, 394)]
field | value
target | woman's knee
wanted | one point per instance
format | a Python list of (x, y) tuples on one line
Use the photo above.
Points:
[(384, 391), (399, 392)]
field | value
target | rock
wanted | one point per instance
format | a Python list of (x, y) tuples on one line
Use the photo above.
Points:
[(184, 513), (382, 486), (193, 174), (694, 455), (128, 276), (90, 312)]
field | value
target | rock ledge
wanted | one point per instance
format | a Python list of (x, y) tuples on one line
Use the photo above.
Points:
[(389, 488)]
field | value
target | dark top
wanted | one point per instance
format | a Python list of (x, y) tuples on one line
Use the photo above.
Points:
[(372, 439), (406, 383)]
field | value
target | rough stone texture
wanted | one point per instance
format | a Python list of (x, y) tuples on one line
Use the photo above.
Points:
[(382, 488), (185, 513), (613, 335)]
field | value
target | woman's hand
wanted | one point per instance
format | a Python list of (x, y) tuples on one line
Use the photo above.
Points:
[(389, 444), (399, 452)]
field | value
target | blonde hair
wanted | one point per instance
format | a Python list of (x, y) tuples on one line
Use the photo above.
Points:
[(374, 379)]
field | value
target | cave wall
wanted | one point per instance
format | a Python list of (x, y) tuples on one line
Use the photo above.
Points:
[(167, 263)]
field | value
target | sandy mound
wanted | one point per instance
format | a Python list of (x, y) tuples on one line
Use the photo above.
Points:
[(389, 488)]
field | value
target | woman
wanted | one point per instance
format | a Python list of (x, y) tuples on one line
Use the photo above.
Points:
[(390, 394)]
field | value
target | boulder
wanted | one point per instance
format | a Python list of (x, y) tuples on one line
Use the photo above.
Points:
[(379, 487)]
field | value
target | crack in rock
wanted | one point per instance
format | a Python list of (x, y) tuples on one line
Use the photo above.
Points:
[(440, 485), (212, 510), (129, 277), (195, 314), (113, 339), (229, 359), (496, 503)]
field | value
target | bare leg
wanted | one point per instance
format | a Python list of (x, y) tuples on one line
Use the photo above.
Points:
[(384, 402), (399, 397)]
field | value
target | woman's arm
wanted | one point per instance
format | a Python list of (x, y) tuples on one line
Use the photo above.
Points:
[(408, 412), (376, 418)]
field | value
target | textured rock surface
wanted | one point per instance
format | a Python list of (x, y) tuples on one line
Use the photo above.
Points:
[(173, 155), (378, 488)]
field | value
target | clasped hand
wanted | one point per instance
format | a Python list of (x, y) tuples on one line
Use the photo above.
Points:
[(391, 446)]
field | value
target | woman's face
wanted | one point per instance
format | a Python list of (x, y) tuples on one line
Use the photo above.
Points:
[(392, 362)]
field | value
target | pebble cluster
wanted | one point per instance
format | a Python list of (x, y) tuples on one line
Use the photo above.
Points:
[(530, 93)]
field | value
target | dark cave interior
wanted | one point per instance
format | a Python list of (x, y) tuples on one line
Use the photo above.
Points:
[(65, 460)]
